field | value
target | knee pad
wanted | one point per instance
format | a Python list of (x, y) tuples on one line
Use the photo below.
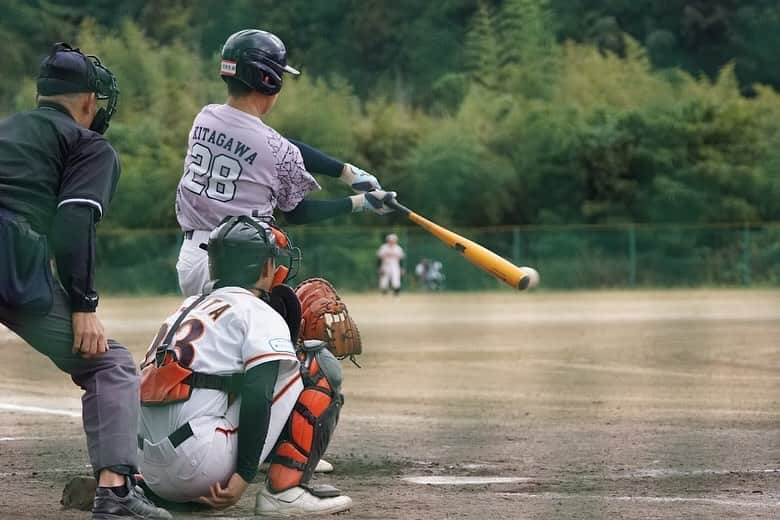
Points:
[(312, 421)]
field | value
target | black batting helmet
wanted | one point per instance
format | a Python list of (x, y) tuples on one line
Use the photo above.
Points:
[(239, 247), (256, 58)]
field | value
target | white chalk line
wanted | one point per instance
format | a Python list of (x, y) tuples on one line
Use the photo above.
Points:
[(464, 480), (80, 470), (662, 473), (35, 438), (663, 499), (9, 407)]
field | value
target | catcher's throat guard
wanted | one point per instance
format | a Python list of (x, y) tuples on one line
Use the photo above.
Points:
[(312, 422)]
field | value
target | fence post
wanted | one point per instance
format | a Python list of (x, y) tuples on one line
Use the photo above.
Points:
[(516, 245), (746, 255), (631, 256)]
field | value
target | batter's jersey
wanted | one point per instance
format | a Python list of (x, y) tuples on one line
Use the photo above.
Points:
[(230, 332), (48, 160), (390, 255), (237, 165)]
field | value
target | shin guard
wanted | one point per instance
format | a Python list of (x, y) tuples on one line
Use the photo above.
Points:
[(312, 421)]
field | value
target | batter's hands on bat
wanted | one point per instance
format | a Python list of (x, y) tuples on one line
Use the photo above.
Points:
[(220, 498), (358, 179), (89, 337), (373, 201)]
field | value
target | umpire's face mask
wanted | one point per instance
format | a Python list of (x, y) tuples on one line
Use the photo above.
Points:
[(106, 89)]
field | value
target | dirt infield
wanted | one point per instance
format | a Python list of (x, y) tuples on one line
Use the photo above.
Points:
[(619, 405)]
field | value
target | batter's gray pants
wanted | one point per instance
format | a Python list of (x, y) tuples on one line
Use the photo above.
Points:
[(111, 400)]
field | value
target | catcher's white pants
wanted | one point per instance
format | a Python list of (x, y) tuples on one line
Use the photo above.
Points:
[(390, 276), (193, 264), (184, 473)]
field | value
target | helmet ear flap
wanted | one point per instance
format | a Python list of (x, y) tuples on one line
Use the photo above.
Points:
[(280, 236), (253, 70)]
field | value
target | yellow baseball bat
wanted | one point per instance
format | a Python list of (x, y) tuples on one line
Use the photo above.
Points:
[(516, 277)]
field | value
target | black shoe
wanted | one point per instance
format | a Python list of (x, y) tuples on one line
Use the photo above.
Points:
[(109, 506)]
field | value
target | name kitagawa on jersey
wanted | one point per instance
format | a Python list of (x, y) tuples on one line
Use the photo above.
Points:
[(201, 133)]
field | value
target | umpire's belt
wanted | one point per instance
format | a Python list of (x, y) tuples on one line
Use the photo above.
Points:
[(181, 434)]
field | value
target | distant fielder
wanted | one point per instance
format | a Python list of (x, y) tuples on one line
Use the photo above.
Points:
[(390, 257), (238, 165)]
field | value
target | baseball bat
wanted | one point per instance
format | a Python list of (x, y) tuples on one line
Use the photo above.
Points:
[(482, 257)]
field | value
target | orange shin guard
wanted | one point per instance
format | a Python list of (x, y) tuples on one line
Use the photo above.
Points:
[(311, 423)]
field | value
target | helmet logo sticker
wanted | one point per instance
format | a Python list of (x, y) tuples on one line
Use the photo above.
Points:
[(228, 68)]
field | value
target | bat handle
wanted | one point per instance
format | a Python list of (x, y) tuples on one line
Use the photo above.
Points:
[(393, 203)]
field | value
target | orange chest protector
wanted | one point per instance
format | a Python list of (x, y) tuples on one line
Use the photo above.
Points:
[(165, 380)]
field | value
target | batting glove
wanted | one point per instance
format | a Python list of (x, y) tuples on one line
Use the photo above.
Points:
[(359, 180), (375, 201)]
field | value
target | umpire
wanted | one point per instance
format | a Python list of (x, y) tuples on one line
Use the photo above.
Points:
[(57, 177)]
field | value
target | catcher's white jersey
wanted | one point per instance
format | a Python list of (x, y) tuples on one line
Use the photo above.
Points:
[(230, 332), (237, 165)]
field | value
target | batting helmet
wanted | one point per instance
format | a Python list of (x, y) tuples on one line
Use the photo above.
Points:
[(257, 59), (239, 247)]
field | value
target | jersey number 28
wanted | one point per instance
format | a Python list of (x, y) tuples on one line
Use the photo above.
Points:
[(216, 175)]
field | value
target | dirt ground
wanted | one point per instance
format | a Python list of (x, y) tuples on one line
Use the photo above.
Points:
[(618, 405)]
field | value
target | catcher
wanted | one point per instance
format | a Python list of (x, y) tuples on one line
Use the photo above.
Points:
[(233, 354)]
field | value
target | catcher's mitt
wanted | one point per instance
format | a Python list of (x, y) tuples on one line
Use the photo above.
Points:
[(325, 317)]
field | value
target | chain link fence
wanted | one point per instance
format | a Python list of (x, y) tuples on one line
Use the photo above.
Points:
[(567, 257)]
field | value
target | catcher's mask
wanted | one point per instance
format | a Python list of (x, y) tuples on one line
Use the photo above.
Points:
[(239, 247), (67, 70)]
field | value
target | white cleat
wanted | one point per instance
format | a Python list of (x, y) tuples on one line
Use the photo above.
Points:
[(298, 501), (323, 466)]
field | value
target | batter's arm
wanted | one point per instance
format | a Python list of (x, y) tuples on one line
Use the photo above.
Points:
[(315, 210), (319, 162)]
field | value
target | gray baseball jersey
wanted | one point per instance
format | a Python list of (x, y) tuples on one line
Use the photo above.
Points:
[(237, 165)]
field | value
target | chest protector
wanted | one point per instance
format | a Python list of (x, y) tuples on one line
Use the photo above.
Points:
[(165, 380)]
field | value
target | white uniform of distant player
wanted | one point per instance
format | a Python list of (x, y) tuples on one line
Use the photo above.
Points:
[(390, 255), (236, 165), (244, 335)]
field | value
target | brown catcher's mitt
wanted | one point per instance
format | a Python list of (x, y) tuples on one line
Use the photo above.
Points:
[(325, 317)]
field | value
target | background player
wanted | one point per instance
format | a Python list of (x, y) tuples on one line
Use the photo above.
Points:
[(57, 177), (237, 165), (231, 338), (389, 259)]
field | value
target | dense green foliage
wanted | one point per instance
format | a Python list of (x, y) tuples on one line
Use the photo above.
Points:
[(476, 112)]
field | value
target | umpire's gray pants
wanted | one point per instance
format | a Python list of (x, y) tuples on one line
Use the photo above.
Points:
[(111, 400)]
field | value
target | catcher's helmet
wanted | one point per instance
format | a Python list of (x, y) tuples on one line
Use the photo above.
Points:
[(239, 247), (257, 59)]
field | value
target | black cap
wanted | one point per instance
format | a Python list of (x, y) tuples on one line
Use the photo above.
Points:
[(65, 71)]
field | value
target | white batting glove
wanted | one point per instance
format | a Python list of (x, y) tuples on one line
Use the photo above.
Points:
[(375, 201), (359, 180)]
